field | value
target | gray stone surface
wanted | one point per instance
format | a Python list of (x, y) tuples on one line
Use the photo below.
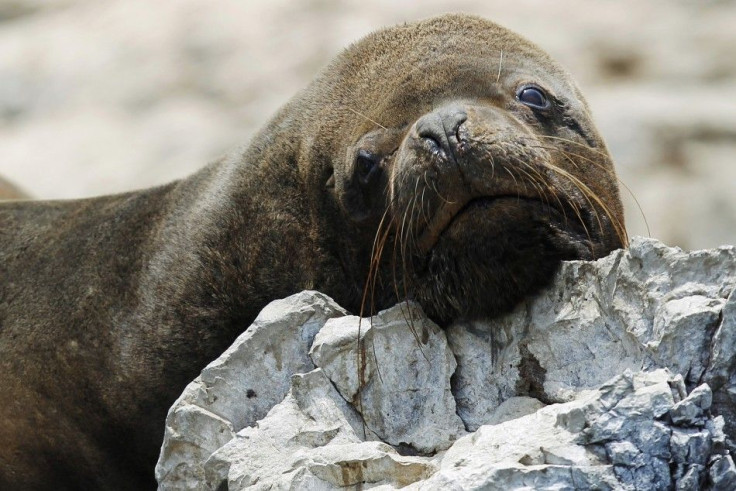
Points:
[(647, 307), (310, 441), (620, 375), (241, 386), (397, 377), (620, 442), (691, 409)]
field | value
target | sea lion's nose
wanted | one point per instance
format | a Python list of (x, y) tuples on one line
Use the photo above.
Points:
[(440, 128)]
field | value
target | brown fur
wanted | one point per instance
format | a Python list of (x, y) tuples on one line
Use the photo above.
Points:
[(109, 306)]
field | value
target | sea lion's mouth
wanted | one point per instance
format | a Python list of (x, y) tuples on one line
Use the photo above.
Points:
[(448, 212), (484, 256)]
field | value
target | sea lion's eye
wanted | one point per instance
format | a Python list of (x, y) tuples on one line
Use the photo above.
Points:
[(366, 165), (533, 97)]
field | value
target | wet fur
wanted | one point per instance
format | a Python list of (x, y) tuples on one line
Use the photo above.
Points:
[(110, 306)]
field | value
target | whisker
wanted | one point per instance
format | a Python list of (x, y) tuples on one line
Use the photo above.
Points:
[(514, 178), (375, 259), (588, 194), (401, 245), (620, 229), (586, 147), (620, 181), (538, 182), (409, 319), (366, 118)]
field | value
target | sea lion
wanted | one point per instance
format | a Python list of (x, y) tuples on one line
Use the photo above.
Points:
[(447, 160)]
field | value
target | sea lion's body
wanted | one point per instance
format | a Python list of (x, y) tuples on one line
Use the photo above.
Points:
[(109, 306), (413, 137)]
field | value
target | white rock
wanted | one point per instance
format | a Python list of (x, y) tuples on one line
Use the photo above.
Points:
[(241, 386), (398, 378), (488, 368), (541, 451), (310, 441), (514, 408), (721, 372), (647, 307), (689, 411), (618, 376)]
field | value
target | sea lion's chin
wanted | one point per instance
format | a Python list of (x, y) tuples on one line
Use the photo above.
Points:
[(494, 253)]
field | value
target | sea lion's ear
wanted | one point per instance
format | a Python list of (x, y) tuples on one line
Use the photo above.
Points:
[(362, 181), (360, 192)]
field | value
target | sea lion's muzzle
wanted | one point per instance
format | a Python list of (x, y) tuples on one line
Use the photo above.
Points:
[(439, 130), (483, 202), (463, 152)]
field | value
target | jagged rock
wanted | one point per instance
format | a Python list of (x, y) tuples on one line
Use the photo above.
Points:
[(310, 441), (398, 377), (514, 408), (646, 307), (723, 473), (618, 376), (241, 386), (557, 454), (691, 409)]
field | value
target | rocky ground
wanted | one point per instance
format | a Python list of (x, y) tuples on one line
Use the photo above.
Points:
[(101, 97), (619, 376)]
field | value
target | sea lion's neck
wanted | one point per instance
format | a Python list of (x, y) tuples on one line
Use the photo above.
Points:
[(234, 237)]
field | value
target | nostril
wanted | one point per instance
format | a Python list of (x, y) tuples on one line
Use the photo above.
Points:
[(441, 129), (458, 128), (430, 137), (430, 129)]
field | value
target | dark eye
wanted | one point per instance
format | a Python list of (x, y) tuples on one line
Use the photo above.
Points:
[(366, 165), (533, 97)]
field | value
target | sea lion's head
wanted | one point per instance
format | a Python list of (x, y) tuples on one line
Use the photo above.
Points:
[(469, 158)]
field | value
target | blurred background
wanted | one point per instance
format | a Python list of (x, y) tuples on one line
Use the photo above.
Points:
[(99, 97)]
